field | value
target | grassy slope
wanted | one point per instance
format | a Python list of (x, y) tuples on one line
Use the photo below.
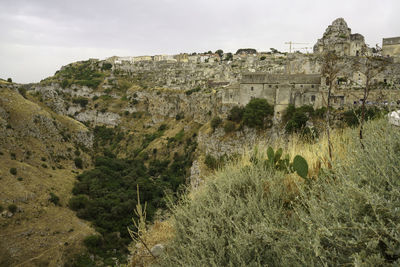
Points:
[(41, 233)]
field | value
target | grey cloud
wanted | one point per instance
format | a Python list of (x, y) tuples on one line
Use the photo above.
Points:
[(101, 28)]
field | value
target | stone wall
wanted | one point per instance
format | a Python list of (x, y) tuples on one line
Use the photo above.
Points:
[(391, 47)]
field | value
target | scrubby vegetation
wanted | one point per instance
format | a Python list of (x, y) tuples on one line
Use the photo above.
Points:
[(107, 194), (258, 114), (352, 117), (80, 73), (253, 215)]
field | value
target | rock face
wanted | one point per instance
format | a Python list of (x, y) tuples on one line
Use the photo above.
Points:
[(95, 116), (338, 37), (160, 104), (217, 145)]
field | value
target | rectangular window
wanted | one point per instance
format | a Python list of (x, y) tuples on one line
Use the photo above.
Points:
[(312, 98)]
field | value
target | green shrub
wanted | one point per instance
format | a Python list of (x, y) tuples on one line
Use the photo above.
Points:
[(20, 179), (22, 91), (1, 208), (258, 113), (215, 122), (236, 114), (13, 156), (211, 162), (229, 127), (191, 91), (263, 58), (9, 80), (250, 216), (78, 202), (54, 199), (12, 208), (82, 101), (179, 116), (106, 66), (320, 112), (13, 171), (351, 118), (297, 122), (78, 162), (93, 243)]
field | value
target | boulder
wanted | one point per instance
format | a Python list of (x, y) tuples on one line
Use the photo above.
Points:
[(394, 118), (157, 250)]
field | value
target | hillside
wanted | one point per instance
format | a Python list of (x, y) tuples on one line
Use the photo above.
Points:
[(249, 213), (37, 148)]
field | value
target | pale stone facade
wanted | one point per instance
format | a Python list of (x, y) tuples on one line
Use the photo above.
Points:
[(391, 48)]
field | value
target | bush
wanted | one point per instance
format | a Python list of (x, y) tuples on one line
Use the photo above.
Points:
[(179, 116), (78, 162), (251, 216), (9, 80), (258, 113), (12, 208), (297, 122), (211, 162), (13, 171), (82, 101), (1, 208), (22, 91), (229, 126), (215, 122), (236, 114), (54, 199), (106, 66), (93, 243), (78, 202)]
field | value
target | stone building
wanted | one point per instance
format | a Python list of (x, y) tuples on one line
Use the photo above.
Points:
[(391, 48), (280, 90), (338, 37)]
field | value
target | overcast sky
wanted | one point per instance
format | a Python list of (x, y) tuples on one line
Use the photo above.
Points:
[(37, 37)]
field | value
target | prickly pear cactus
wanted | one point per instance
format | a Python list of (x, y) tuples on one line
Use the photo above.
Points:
[(300, 166)]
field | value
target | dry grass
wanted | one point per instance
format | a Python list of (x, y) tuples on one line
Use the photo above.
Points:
[(159, 233), (41, 233)]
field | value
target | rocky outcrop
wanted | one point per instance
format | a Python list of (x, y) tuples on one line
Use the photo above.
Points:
[(218, 144), (338, 37), (394, 118), (108, 118), (160, 104)]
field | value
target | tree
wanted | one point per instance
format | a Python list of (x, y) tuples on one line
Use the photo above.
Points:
[(229, 56), (331, 64), (258, 113), (9, 80), (370, 66), (215, 122), (236, 114), (220, 53)]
